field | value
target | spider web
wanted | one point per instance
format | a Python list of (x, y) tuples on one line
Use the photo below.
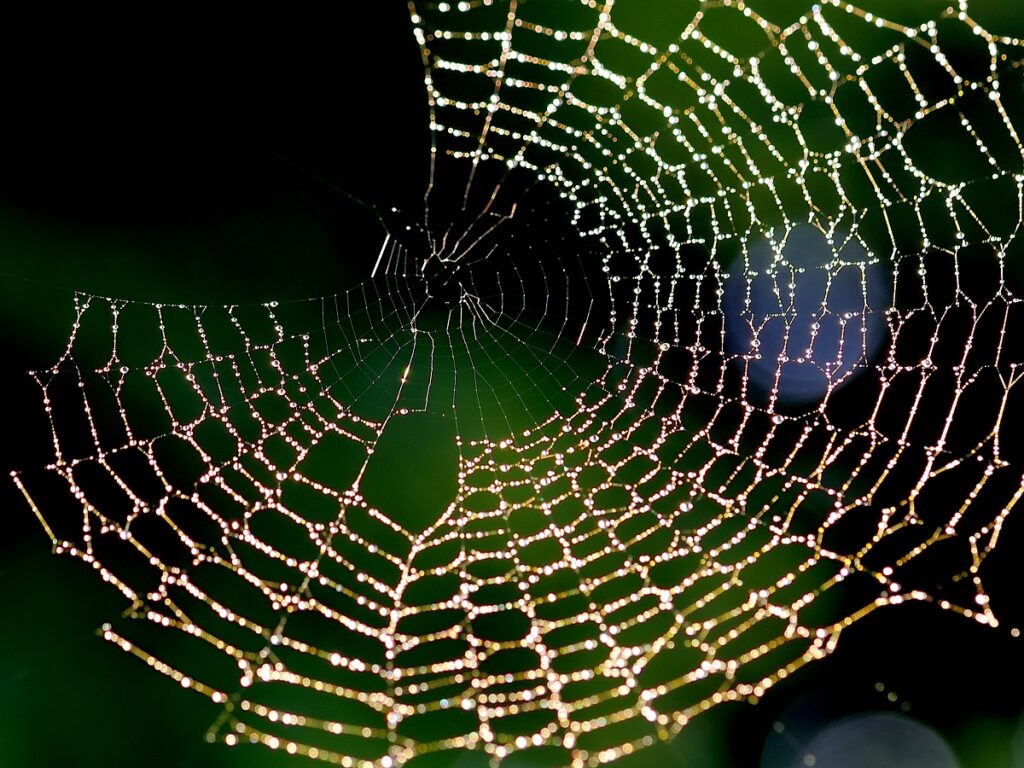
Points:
[(709, 352)]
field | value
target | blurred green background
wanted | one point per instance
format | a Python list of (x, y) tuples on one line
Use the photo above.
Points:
[(203, 153)]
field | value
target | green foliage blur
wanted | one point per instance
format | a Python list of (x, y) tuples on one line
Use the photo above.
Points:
[(206, 155)]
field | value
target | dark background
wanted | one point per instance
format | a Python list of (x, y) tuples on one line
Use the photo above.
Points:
[(210, 153)]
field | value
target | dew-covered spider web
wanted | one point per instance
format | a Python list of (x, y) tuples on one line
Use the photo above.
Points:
[(698, 352)]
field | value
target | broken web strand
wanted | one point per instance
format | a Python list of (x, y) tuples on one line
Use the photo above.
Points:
[(593, 685)]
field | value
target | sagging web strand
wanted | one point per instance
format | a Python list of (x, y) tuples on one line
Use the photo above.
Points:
[(673, 534)]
